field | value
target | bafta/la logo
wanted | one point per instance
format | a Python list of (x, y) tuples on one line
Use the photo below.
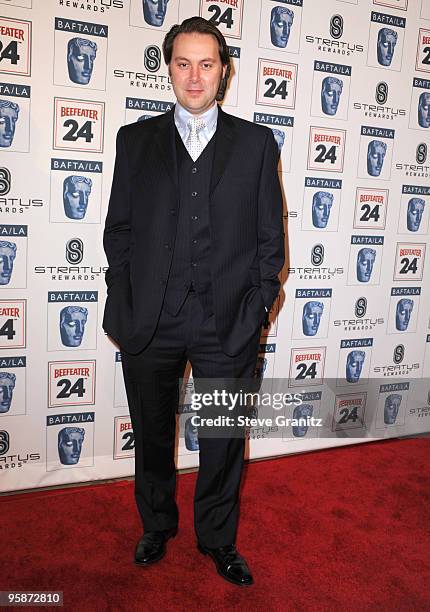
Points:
[(74, 251), (152, 58), (5, 181)]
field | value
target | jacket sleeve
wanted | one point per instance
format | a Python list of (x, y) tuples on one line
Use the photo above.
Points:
[(271, 250), (116, 237)]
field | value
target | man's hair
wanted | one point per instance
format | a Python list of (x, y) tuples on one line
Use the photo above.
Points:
[(199, 25)]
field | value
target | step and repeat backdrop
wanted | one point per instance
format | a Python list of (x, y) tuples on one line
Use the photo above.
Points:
[(345, 87)]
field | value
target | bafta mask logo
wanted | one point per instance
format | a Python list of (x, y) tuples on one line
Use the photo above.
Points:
[(7, 257), (191, 435), (404, 310), (73, 320), (376, 150), (81, 55), (354, 365), (70, 440), (154, 11), (385, 45), (311, 317), (8, 117), (365, 261), (302, 412), (281, 21), (322, 202), (424, 110), (279, 136), (391, 408), (414, 214), (7, 385), (331, 90), (76, 194)]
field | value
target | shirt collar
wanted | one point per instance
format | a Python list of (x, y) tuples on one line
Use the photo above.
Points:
[(182, 116)]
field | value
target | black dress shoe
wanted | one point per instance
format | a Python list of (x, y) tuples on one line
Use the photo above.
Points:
[(229, 564), (152, 546)]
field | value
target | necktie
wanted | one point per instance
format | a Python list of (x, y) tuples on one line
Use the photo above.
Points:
[(193, 143)]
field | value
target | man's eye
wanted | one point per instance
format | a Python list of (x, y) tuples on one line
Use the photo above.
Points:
[(75, 194), (207, 65), (279, 24), (80, 57)]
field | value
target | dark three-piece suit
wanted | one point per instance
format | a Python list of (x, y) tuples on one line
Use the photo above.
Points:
[(194, 251)]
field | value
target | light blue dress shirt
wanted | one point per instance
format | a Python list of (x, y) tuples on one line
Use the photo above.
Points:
[(210, 117)]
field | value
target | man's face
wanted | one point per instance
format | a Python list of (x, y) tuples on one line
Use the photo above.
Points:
[(81, 63), (196, 71), (75, 198), (415, 213), (321, 206), (301, 412), (354, 365), (404, 310), (8, 119), (375, 157), (280, 26), (312, 312), (7, 385), (7, 257), (424, 110), (72, 328), (70, 447), (391, 408), (386, 44), (365, 260), (330, 95), (154, 11)]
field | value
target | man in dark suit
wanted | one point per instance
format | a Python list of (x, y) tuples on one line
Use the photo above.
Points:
[(195, 242)]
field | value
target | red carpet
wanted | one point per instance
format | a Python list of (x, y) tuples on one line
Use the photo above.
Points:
[(344, 528)]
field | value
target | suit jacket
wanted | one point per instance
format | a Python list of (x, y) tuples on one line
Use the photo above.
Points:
[(246, 226)]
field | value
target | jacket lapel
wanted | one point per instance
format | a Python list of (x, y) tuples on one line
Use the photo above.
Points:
[(165, 138), (225, 135)]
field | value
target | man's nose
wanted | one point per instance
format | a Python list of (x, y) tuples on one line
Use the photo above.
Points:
[(195, 73), (78, 331)]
